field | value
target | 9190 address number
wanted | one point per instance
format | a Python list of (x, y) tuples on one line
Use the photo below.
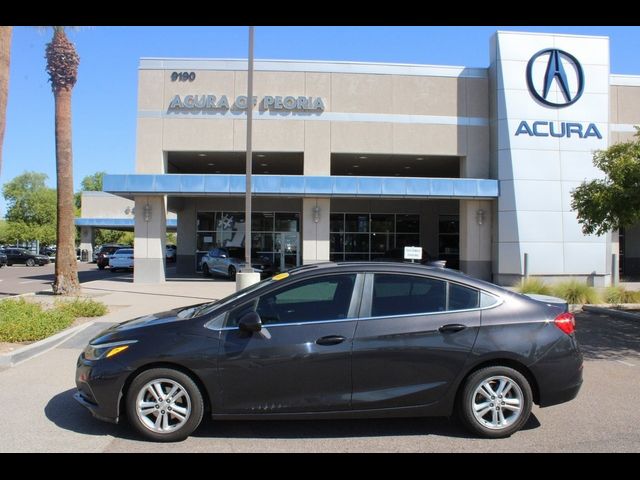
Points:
[(183, 76)]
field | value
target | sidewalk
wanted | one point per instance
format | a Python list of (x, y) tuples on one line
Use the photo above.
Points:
[(127, 300)]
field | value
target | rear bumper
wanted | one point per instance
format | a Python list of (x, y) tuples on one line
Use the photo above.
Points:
[(559, 373)]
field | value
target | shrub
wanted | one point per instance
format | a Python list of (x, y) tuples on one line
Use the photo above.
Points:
[(22, 321), (82, 307), (620, 295), (533, 285), (574, 291)]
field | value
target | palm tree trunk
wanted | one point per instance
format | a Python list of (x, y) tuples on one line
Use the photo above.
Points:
[(66, 278), (5, 56)]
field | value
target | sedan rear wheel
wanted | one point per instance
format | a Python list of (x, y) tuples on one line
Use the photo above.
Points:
[(164, 405), (205, 270), (495, 402), (30, 262), (232, 273)]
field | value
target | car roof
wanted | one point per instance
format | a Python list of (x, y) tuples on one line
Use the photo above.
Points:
[(394, 267)]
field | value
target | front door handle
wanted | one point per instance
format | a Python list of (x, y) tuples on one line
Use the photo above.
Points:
[(331, 340), (452, 328)]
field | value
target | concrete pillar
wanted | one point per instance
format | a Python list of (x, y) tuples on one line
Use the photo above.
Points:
[(475, 238), (315, 230), (87, 235), (150, 238)]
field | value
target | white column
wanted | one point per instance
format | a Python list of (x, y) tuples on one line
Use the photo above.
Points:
[(475, 238), (315, 230), (86, 241), (150, 239)]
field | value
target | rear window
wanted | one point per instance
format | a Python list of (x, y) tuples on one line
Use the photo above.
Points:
[(463, 298), (407, 294), (125, 251)]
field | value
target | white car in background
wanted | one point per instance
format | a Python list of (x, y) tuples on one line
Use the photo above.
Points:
[(121, 258)]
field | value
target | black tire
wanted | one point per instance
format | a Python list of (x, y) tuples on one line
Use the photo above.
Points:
[(469, 397), (100, 267), (9, 264), (205, 270), (138, 386), (232, 273), (113, 270), (30, 262)]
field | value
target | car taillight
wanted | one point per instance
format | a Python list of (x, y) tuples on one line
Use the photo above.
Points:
[(566, 322)]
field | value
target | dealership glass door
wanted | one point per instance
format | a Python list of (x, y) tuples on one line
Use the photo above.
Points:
[(286, 250)]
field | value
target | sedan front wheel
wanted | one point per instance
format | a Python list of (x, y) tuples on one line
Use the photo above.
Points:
[(495, 402), (164, 405)]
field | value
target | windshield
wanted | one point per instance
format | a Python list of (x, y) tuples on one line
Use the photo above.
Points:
[(209, 307)]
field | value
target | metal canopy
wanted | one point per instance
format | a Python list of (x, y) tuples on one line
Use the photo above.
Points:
[(300, 186)]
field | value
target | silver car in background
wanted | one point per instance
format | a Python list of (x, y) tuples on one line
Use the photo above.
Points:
[(228, 261)]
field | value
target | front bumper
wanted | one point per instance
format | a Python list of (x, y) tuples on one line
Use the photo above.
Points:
[(99, 385)]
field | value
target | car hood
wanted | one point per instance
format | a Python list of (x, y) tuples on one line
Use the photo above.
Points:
[(125, 329)]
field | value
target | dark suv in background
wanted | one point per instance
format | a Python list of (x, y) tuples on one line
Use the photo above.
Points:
[(105, 251)]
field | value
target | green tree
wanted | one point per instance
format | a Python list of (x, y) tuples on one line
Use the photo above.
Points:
[(614, 201), (90, 183), (62, 67), (31, 209)]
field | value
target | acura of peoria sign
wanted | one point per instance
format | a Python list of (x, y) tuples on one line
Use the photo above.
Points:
[(194, 103)]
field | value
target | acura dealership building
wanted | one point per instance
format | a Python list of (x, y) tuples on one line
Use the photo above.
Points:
[(352, 160)]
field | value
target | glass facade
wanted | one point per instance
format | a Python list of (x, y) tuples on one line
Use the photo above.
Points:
[(273, 235), (365, 236), (449, 240)]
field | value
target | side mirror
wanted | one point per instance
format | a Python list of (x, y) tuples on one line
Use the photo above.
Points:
[(250, 322), (222, 255)]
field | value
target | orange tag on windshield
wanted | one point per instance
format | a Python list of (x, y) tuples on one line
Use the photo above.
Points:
[(280, 276)]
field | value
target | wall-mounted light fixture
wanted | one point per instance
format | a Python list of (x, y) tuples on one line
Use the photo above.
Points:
[(480, 216), (316, 214), (147, 212)]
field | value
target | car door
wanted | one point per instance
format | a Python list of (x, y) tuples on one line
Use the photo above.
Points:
[(301, 359), (402, 355)]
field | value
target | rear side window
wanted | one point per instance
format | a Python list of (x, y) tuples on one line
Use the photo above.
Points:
[(407, 294), (463, 298)]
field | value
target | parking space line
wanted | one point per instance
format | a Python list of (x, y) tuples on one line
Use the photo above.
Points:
[(626, 363), (29, 281)]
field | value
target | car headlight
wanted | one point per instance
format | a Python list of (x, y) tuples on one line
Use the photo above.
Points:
[(106, 350)]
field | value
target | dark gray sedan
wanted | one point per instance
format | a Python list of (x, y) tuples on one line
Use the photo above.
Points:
[(338, 340)]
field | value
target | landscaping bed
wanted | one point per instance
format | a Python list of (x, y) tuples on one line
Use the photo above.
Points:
[(23, 321)]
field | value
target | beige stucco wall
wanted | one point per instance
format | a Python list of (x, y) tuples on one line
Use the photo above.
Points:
[(345, 93)]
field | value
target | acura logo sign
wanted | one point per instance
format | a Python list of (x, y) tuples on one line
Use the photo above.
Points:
[(563, 70)]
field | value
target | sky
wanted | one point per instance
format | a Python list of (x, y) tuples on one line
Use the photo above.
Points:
[(105, 95)]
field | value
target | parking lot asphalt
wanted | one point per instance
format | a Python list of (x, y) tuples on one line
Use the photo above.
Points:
[(20, 279), (603, 418)]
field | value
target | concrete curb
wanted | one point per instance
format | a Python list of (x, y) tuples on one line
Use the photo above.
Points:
[(41, 346), (612, 312)]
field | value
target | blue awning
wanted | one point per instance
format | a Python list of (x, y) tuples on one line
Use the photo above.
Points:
[(117, 223), (300, 186)]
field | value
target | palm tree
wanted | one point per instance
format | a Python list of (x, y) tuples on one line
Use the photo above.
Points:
[(5, 56), (62, 67)]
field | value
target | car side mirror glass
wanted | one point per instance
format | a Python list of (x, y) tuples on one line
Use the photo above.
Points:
[(222, 255), (250, 322)]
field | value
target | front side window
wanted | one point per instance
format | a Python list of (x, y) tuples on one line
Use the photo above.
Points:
[(312, 300), (407, 294)]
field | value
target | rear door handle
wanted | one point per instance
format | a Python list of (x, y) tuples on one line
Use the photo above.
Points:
[(331, 340), (452, 328)]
